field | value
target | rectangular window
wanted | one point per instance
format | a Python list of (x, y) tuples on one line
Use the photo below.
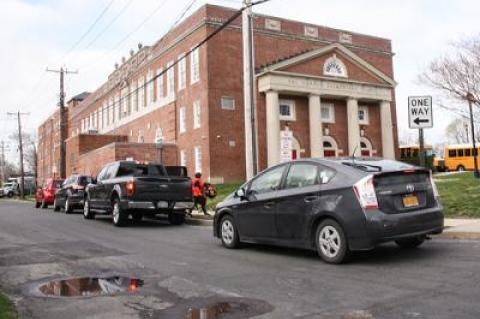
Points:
[(134, 96), (460, 153), (182, 72), (363, 115), (123, 103), (468, 152), (228, 103), (170, 79), (328, 113), (183, 158), (160, 84), (196, 114), (150, 88), (287, 110), (452, 153), (182, 124), (194, 66), (198, 159), (141, 92)]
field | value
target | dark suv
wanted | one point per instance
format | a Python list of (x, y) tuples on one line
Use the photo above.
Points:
[(72, 193), (332, 206)]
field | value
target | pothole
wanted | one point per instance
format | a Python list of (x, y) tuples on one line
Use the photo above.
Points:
[(88, 286)]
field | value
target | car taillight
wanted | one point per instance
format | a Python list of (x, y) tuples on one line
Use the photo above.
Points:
[(434, 187), (130, 188), (365, 191)]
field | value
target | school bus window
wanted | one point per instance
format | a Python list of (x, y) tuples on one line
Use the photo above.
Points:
[(409, 153), (415, 153), (452, 153), (460, 153), (467, 152), (402, 153)]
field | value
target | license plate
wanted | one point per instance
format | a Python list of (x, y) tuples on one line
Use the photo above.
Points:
[(410, 201), (162, 204)]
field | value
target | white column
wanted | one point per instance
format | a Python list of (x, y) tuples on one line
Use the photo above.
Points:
[(315, 120), (273, 128), (353, 127), (388, 147)]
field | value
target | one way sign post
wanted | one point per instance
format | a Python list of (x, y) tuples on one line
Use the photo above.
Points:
[(420, 116)]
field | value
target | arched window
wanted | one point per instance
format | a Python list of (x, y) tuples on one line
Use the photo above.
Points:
[(330, 147), (366, 147), (334, 67)]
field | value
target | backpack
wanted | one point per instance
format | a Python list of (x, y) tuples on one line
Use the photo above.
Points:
[(210, 191)]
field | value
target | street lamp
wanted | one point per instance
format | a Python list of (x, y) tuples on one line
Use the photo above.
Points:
[(471, 100)]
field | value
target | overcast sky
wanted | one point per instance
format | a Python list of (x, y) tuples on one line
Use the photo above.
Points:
[(35, 34)]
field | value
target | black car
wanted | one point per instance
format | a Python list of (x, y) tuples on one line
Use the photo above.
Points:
[(332, 206), (72, 193), (129, 188)]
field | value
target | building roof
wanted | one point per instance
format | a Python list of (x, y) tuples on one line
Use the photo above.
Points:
[(80, 97)]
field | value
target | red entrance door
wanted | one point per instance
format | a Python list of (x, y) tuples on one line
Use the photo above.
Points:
[(366, 153), (294, 154), (329, 153)]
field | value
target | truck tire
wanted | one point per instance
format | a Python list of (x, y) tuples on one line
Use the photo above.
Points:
[(176, 219), (87, 212), (119, 216), (10, 194)]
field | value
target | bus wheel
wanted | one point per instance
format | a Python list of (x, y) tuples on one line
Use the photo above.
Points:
[(461, 168)]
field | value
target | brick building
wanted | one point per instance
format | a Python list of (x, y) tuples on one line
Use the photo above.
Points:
[(48, 150), (333, 89)]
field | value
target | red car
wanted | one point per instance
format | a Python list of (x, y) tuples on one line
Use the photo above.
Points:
[(46, 194)]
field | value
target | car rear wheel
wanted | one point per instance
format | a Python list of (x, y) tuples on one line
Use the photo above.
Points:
[(229, 233), (119, 216), (68, 207), (410, 242), (87, 212), (56, 208), (331, 242)]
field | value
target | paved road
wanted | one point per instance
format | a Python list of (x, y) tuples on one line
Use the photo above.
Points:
[(184, 267)]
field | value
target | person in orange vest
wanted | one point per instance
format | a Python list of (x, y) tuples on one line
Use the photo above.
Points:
[(198, 190)]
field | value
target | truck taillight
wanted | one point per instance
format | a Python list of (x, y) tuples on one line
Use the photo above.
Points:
[(434, 187), (130, 186), (365, 191)]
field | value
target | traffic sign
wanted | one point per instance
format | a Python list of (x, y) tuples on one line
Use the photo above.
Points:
[(420, 112)]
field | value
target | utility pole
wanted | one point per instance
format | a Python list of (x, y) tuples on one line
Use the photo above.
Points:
[(20, 149), (63, 122), (251, 149), (471, 100)]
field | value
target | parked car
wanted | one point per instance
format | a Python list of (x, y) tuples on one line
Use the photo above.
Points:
[(45, 195), (128, 188), (72, 193), (332, 206), (8, 189)]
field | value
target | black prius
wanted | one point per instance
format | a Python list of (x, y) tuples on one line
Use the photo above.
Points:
[(333, 206)]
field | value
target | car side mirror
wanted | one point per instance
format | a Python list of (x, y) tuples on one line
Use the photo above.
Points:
[(241, 193), (94, 180)]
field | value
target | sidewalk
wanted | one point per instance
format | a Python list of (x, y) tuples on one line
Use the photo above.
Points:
[(199, 219), (461, 229)]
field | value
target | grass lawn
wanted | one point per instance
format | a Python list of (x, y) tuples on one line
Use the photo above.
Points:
[(223, 190), (460, 195), (7, 310)]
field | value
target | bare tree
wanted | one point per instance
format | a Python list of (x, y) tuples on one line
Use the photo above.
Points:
[(457, 131), (30, 158), (457, 75)]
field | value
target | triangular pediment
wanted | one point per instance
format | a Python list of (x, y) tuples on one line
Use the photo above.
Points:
[(335, 61)]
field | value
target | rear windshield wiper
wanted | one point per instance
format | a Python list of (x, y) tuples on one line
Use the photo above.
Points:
[(364, 167)]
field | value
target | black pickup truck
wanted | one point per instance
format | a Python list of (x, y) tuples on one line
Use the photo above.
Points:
[(129, 188)]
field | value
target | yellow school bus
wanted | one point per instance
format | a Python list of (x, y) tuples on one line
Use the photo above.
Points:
[(459, 157), (411, 154)]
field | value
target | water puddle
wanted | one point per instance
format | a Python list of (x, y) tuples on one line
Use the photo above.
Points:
[(228, 309), (211, 312), (89, 286)]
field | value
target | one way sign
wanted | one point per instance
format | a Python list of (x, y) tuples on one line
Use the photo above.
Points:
[(420, 112)]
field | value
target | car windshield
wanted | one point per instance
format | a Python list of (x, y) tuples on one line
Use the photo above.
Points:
[(84, 180), (140, 170), (380, 165), (8, 185)]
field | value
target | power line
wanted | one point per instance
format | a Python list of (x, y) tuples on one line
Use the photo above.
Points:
[(88, 30), (205, 40), (120, 13), (185, 10)]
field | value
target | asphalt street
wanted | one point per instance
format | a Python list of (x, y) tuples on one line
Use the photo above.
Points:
[(184, 267)]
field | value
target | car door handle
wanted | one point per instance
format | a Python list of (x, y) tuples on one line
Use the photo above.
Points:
[(309, 199), (269, 205)]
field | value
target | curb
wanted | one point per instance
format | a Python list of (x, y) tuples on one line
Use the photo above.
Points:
[(459, 235), (198, 222)]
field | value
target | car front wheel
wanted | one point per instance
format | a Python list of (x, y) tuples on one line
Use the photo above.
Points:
[(56, 208), (229, 233), (68, 207), (87, 212), (331, 242), (410, 242)]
